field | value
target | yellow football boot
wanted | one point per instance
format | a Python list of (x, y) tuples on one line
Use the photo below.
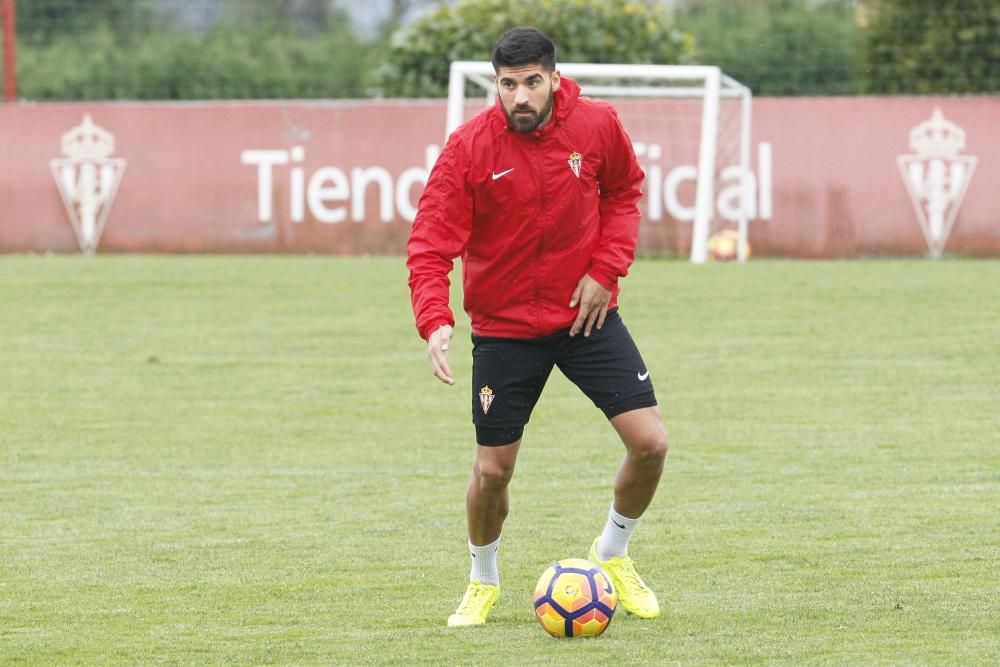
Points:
[(476, 605), (633, 593)]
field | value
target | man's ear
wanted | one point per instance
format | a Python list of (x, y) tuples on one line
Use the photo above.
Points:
[(556, 78)]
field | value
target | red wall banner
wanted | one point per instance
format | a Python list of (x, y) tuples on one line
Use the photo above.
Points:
[(832, 177)]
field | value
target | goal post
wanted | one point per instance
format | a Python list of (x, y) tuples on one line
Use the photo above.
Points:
[(719, 121)]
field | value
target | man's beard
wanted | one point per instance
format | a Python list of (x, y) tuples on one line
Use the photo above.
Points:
[(529, 122)]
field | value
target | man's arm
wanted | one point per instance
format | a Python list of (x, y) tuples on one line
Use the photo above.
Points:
[(621, 188), (620, 179), (438, 235)]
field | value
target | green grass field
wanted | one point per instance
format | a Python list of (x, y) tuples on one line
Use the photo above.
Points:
[(246, 460)]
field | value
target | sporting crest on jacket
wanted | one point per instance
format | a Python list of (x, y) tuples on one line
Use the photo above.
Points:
[(575, 162), (486, 397)]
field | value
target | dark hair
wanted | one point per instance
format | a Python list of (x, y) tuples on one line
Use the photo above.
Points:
[(524, 46)]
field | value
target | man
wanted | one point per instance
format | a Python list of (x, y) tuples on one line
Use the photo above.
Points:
[(538, 196)]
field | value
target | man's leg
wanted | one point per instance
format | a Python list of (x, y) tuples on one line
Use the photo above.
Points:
[(487, 500), (486, 506), (507, 379), (608, 368), (645, 441)]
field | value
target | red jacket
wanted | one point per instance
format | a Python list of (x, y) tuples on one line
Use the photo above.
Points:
[(530, 214)]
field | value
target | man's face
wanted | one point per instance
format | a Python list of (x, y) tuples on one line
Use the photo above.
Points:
[(526, 94)]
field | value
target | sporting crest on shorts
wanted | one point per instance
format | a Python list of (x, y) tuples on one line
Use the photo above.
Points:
[(575, 161), (486, 398)]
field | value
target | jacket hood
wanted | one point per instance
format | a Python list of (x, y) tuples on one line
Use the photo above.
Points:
[(566, 97)]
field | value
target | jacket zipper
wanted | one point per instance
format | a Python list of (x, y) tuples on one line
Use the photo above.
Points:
[(543, 215)]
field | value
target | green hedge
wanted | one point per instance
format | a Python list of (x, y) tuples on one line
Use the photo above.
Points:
[(598, 31), (145, 49), (224, 63), (132, 49), (948, 46), (779, 47)]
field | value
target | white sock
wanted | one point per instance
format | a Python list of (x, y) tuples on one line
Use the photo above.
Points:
[(484, 562), (617, 531)]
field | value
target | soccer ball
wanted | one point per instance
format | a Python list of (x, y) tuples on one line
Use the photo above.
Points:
[(724, 246), (575, 598)]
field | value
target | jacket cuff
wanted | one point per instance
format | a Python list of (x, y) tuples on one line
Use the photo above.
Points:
[(607, 278), (428, 329)]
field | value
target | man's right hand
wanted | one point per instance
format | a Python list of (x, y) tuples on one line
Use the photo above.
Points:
[(437, 348)]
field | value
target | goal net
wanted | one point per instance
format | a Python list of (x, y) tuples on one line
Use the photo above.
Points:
[(690, 126)]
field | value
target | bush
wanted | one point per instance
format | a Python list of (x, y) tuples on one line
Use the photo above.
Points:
[(141, 49), (598, 31), (778, 47), (224, 63), (948, 46)]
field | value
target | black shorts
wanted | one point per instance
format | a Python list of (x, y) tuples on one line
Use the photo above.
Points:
[(508, 375)]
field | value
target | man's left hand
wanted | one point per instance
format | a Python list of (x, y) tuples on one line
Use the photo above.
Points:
[(593, 300)]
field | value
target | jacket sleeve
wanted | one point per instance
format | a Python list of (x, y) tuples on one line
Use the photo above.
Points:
[(620, 180), (439, 234)]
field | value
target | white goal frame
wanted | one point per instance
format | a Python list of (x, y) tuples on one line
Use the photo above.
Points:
[(701, 81)]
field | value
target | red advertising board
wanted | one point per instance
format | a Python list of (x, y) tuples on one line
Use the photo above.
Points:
[(833, 177)]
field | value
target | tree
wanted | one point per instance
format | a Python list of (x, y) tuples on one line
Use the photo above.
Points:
[(948, 46), (778, 47), (624, 31)]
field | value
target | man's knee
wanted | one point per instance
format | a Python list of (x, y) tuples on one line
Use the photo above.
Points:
[(494, 467), (643, 433), (650, 444)]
